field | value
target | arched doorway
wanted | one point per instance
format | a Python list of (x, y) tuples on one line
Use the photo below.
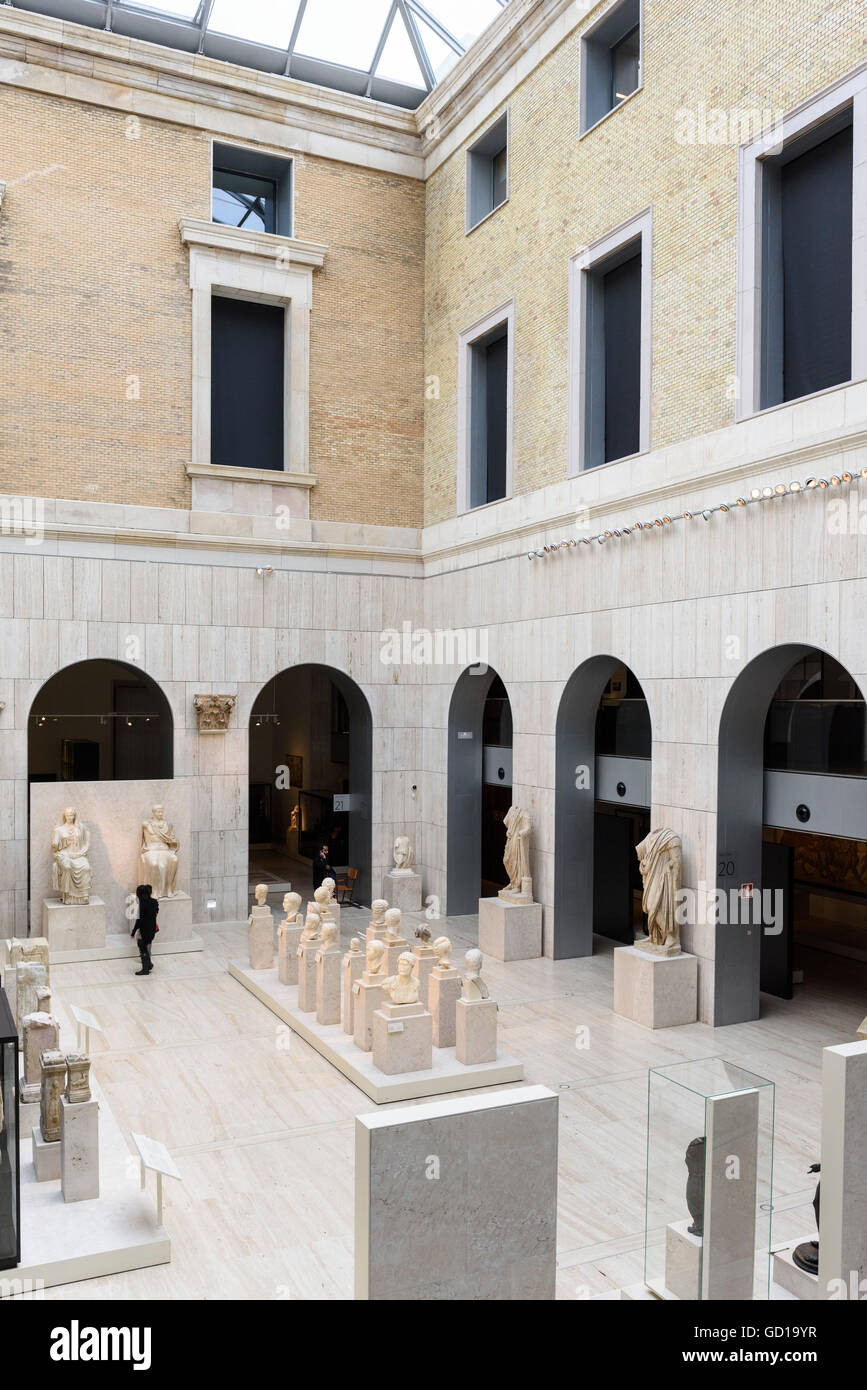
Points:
[(99, 721), (479, 788), (310, 778), (601, 805), (791, 824)]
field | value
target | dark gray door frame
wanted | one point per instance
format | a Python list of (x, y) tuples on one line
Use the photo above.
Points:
[(464, 815)]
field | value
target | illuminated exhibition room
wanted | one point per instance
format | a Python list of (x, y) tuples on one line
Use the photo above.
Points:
[(433, 652)]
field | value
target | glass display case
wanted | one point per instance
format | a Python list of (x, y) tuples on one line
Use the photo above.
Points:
[(10, 1181), (710, 1142)]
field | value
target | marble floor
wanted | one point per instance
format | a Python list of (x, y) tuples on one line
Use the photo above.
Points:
[(261, 1126)]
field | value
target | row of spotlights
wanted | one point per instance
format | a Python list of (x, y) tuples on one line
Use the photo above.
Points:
[(757, 494)]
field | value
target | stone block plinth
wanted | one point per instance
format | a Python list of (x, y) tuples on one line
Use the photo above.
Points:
[(444, 991), (73, 926), (368, 997), (288, 938), (475, 1031), (260, 935), (46, 1157), (175, 919), (329, 970), (655, 991), (79, 1150), (403, 890), (307, 953), (510, 931), (402, 1038)]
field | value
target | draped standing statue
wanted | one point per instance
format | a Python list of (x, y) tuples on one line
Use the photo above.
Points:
[(158, 855), (660, 858), (71, 874), (516, 858)]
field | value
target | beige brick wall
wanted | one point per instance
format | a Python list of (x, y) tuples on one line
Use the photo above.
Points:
[(565, 192), (96, 306)]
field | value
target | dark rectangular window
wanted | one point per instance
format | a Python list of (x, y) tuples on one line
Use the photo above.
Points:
[(489, 417), (487, 172), (246, 383), (610, 61), (251, 190), (621, 290), (816, 214)]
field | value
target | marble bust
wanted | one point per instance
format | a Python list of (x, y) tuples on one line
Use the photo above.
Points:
[(291, 905), (329, 938), (516, 858), (443, 948), (355, 946), (312, 924), (378, 907), (323, 899), (392, 925), (260, 893), (374, 957), (474, 986), (403, 855), (660, 859), (403, 988), (330, 886), (71, 875), (158, 855)]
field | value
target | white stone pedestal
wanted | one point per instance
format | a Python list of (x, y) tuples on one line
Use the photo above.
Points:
[(403, 890), (288, 938), (353, 965), (73, 926), (682, 1261), (402, 1038), (393, 951), (79, 1145), (510, 931), (175, 920), (28, 1119), (260, 934), (307, 952), (444, 991), (655, 991), (46, 1157), (329, 970), (475, 1031), (796, 1281), (425, 961), (368, 997), (843, 1217)]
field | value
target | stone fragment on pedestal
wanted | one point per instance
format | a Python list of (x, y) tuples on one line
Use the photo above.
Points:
[(32, 992), (53, 1065), (260, 931), (328, 963), (657, 991), (40, 1032), (510, 930), (79, 1145), (403, 889), (353, 964), (402, 1038), (368, 994)]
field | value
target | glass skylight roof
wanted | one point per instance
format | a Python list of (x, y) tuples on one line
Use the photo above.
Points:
[(390, 50)]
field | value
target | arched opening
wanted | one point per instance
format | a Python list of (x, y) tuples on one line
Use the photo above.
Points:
[(601, 806), (99, 721), (104, 730), (310, 761), (791, 826), (479, 788)]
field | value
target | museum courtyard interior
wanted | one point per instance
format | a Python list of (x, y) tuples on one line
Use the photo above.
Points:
[(433, 570)]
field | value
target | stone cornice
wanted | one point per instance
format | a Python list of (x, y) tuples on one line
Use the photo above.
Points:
[(42, 53), (288, 250)]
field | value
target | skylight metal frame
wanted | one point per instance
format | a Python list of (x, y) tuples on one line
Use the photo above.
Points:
[(196, 36)]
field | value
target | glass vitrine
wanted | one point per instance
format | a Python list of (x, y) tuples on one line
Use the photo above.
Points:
[(10, 1183), (710, 1138)]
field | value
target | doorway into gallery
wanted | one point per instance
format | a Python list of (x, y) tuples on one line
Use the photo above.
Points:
[(792, 830), (479, 788), (601, 806), (310, 780)]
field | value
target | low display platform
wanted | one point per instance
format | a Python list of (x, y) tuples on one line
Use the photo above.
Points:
[(117, 946), (447, 1073), (62, 1242)]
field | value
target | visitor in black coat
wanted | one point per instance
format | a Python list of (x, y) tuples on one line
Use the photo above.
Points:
[(321, 868), (146, 925)]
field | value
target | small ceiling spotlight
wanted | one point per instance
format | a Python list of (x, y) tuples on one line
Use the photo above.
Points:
[(601, 540), (639, 525), (531, 554), (846, 477), (767, 492), (688, 516), (627, 530), (564, 545), (742, 501), (573, 542), (755, 494), (835, 481), (264, 569), (823, 482), (724, 507), (794, 487), (658, 521), (706, 514), (811, 483), (781, 489), (864, 472)]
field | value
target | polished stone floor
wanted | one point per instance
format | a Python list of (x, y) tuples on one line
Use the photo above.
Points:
[(261, 1126)]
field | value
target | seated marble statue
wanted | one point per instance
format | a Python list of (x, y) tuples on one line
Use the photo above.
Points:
[(71, 874), (403, 987), (158, 855)]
